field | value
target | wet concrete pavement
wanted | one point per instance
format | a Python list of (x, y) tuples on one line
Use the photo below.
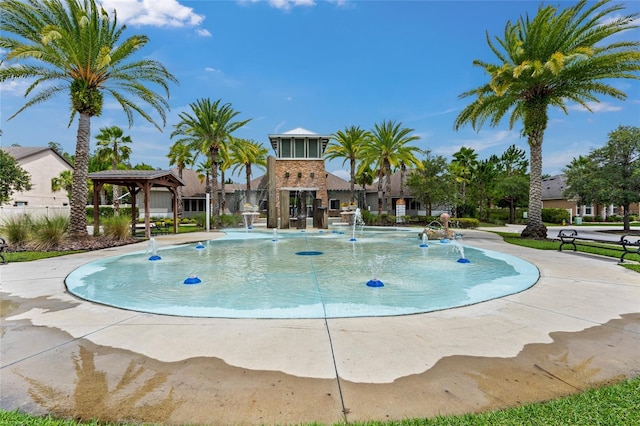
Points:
[(578, 327)]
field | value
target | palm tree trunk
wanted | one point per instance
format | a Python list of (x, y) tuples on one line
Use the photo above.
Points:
[(379, 193), (180, 211), (116, 188), (535, 228), (223, 195), (388, 188), (352, 180), (214, 182), (78, 219)]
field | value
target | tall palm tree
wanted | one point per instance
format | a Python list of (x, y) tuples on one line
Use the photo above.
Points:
[(246, 153), (346, 144), (556, 57), (387, 148), (462, 168), (111, 148), (207, 130), (75, 47), (181, 156)]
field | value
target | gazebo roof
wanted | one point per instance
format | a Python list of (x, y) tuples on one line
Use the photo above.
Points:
[(165, 178)]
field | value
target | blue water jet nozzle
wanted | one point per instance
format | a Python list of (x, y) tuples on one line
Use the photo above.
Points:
[(193, 280), (463, 260), (155, 257), (199, 246), (424, 245), (352, 239), (444, 241), (375, 283)]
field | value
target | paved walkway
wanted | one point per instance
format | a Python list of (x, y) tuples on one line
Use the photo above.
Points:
[(578, 327)]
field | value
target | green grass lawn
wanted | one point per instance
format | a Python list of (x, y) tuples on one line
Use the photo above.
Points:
[(591, 248)]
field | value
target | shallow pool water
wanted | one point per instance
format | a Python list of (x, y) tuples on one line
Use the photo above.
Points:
[(249, 275)]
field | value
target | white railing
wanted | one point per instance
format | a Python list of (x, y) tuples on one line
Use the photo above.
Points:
[(33, 211)]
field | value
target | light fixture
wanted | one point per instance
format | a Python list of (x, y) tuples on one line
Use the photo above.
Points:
[(286, 174), (312, 175), (299, 174)]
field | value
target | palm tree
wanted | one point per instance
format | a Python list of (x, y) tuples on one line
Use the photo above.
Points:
[(387, 148), (181, 156), (462, 168), (244, 154), (75, 47), (208, 129), (64, 181), (111, 148), (558, 56), (364, 177), (346, 144)]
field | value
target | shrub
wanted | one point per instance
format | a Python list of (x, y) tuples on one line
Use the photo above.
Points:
[(47, 233), (555, 215), (230, 220), (16, 229), (117, 227), (614, 218), (467, 222)]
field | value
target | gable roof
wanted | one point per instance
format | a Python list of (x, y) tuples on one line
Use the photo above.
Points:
[(553, 187), (20, 153)]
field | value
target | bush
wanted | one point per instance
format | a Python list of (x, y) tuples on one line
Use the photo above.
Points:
[(16, 229), (47, 233), (614, 218), (466, 222), (230, 220), (555, 215), (117, 227)]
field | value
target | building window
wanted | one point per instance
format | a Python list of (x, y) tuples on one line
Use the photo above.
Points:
[(334, 204), (313, 148), (20, 203), (299, 147), (285, 148), (588, 210)]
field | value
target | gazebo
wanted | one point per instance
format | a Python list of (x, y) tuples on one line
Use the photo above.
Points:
[(136, 180)]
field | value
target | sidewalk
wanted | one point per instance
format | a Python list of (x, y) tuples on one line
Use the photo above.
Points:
[(578, 327)]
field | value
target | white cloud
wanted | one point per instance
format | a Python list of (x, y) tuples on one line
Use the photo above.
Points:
[(279, 126), (210, 69), (158, 13), (595, 107), (202, 32), (283, 4), (344, 174)]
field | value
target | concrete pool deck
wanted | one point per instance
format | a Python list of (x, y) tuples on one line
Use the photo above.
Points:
[(578, 327)]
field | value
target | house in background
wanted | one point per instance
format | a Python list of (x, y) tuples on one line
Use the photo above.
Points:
[(42, 164), (553, 197)]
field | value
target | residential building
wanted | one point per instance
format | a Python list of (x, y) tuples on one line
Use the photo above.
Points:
[(42, 164)]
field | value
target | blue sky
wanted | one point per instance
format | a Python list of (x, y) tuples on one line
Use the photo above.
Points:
[(323, 66)]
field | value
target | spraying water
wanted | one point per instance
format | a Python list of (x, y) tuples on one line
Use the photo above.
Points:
[(357, 220), (153, 249)]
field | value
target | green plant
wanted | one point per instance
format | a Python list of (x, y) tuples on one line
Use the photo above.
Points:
[(555, 215), (47, 232), (16, 229), (117, 227)]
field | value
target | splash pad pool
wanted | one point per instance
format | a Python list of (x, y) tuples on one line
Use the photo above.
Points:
[(255, 275)]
